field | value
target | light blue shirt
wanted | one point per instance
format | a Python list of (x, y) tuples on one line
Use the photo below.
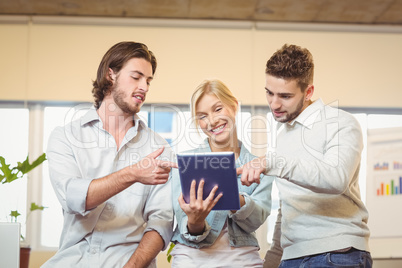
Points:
[(241, 225), (107, 235)]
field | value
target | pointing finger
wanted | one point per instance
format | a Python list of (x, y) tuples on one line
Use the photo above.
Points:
[(167, 164)]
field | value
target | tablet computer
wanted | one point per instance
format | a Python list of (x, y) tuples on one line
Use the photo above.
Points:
[(216, 168)]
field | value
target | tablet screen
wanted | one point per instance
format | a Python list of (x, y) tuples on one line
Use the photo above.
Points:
[(216, 168)]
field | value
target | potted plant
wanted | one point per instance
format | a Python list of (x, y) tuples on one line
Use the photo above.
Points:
[(8, 175)]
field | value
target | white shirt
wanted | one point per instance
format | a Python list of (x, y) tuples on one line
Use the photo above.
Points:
[(316, 161), (107, 235)]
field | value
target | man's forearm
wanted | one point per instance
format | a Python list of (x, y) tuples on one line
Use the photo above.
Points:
[(150, 246), (104, 188)]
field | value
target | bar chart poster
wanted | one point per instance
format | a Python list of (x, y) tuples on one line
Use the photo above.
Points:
[(384, 182)]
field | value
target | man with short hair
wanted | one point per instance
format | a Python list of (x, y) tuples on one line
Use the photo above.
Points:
[(322, 220), (111, 172)]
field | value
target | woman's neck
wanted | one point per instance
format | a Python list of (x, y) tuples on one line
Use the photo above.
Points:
[(231, 146)]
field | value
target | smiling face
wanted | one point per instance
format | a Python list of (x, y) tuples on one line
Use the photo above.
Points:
[(217, 121), (285, 98), (131, 85)]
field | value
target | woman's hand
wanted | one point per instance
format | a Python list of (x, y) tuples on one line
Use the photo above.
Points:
[(198, 209)]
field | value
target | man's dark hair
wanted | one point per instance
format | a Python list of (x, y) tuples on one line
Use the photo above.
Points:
[(115, 58), (292, 62)]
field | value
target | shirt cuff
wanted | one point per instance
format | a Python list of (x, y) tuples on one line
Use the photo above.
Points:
[(194, 238), (76, 195), (245, 211), (164, 227)]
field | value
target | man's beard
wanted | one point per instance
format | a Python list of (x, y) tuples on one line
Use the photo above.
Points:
[(118, 97), (292, 116)]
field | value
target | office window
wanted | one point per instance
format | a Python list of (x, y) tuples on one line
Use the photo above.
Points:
[(14, 148), (384, 120), (161, 123)]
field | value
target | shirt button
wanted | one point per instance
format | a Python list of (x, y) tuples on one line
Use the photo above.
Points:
[(93, 251)]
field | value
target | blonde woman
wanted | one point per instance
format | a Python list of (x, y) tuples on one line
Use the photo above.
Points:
[(215, 238)]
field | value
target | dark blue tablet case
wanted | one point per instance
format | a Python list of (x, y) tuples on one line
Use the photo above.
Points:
[(216, 168)]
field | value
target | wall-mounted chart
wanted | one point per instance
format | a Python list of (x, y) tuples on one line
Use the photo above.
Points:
[(384, 182), (389, 186)]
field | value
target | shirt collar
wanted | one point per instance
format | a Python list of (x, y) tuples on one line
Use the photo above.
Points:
[(309, 115), (91, 115)]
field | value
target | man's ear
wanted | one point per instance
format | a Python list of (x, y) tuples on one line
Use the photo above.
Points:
[(112, 75), (309, 92)]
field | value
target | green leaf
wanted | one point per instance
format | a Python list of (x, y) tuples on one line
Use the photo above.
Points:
[(8, 174), (15, 214), (36, 207), (25, 167), (169, 257)]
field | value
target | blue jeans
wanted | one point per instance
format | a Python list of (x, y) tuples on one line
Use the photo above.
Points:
[(350, 259)]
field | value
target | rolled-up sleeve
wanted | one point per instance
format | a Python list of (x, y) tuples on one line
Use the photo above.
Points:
[(70, 188), (194, 238), (158, 211)]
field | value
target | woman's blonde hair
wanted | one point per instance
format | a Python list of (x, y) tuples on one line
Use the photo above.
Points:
[(216, 87)]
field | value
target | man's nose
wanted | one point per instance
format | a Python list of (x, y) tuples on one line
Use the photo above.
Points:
[(144, 86), (275, 103)]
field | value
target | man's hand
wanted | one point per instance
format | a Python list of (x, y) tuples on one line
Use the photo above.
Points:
[(152, 171), (147, 171), (198, 209), (251, 171)]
